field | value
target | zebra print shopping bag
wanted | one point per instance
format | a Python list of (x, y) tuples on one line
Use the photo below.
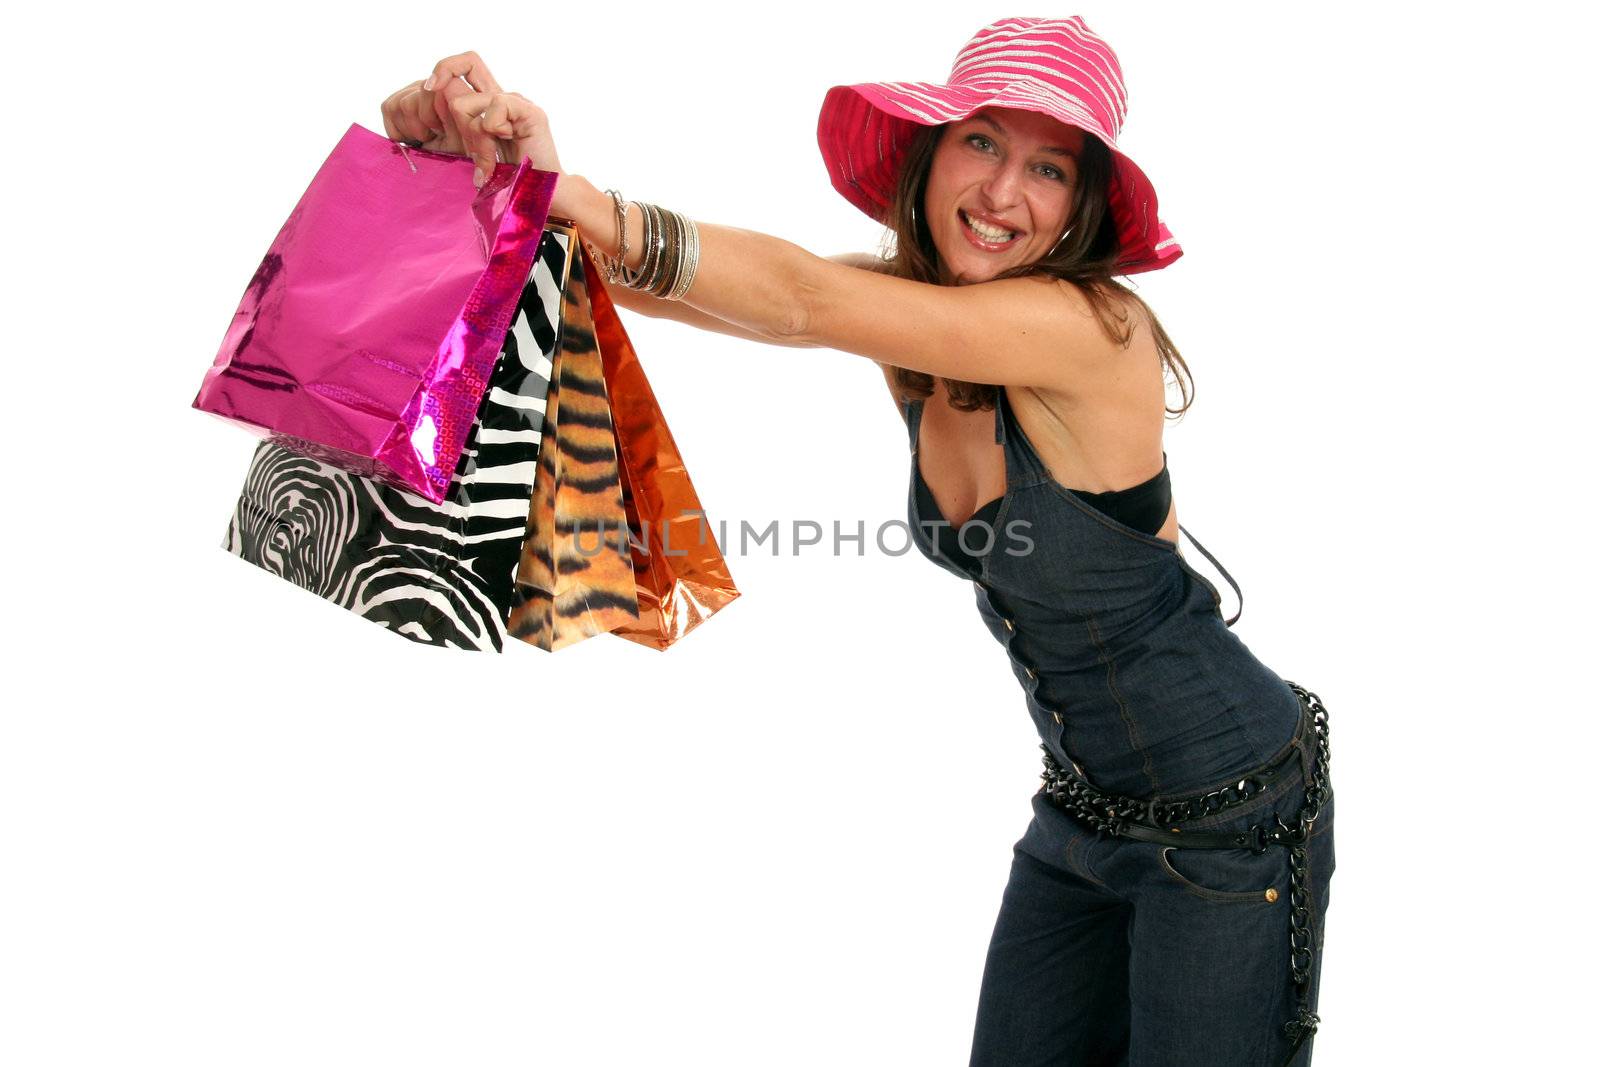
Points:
[(441, 574)]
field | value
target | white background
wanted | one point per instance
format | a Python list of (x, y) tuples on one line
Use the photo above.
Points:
[(239, 825)]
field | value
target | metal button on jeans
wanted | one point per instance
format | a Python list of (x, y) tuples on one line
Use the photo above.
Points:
[(1009, 625)]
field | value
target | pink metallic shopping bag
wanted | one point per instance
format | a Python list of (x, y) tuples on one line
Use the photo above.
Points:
[(368, 334)]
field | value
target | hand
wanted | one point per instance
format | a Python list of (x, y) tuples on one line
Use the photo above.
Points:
[(461, 109)]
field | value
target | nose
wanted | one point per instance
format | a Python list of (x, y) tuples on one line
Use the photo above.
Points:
[(1003, 187)]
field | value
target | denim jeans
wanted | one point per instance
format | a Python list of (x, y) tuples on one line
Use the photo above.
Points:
[(1109, 951)]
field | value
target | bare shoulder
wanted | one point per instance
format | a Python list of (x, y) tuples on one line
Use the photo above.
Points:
[(1104, 331), (1128, 310), (1125, 307)]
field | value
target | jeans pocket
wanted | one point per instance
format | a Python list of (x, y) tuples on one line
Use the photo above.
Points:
[(1238, 875), (1228, 875)]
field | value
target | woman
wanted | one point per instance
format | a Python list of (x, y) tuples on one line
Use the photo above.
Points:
[(1165, 904)]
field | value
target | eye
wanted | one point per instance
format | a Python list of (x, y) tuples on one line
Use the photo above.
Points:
[(983, 144)]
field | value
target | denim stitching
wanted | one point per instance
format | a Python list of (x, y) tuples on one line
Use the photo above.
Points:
[(1122, 705), (1085, 863)]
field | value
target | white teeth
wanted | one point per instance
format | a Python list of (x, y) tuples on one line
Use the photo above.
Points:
[(984, 230)]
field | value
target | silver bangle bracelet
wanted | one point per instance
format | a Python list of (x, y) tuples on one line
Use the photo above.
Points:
[(691, 262), (633, 278), (613, 268), (671, 254)]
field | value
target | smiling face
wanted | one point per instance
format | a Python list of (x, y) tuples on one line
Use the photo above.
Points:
[(1011, 174)]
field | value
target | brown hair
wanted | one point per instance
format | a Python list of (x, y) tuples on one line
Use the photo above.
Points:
[(1086, 258)]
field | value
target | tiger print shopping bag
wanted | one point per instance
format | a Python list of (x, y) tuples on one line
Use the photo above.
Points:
[(570, 513), (440, 574), (575, 577)]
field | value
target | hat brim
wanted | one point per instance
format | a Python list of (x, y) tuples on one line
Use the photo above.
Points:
[(864, 130)]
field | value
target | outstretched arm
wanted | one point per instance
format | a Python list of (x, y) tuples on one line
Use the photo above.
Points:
[(1030, 331), (1018, 331), (689, 315), (765, 301), (686, 313)]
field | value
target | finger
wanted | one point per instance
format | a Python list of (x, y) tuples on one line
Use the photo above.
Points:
[(515, 118), (403, 117), (439, 98), (503, 113), (420, 116), (480, 127), (391, 110), (468, 65)]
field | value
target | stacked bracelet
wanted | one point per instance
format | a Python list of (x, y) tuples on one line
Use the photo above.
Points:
[(691, 261), (671, 255), (614, 267)]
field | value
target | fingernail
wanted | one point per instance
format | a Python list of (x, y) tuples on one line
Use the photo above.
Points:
[(429, 83), (477, 177)]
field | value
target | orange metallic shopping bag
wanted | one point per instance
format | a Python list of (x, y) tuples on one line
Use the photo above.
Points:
[(680, 575)]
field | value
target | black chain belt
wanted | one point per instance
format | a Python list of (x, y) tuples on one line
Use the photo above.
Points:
[(1158, 821)]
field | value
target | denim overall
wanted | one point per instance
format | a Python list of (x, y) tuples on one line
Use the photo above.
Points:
[(1108, 950)]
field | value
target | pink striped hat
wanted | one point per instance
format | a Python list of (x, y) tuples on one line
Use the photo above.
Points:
[(1058, 67)]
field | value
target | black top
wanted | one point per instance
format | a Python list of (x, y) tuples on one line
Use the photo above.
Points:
[(1126, 663), (1143, 507)]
